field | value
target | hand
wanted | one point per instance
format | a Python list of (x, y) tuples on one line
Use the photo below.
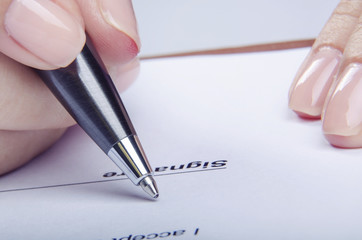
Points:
[(48, 34), (328, 85)]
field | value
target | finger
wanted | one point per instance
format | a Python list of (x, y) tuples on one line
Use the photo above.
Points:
[(342, 117), (112, 27), (19, 147), (27, 104), (41, 33), (25, 101), (314, 78)]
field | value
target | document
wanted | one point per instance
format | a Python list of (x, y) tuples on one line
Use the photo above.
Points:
[(230, 159)]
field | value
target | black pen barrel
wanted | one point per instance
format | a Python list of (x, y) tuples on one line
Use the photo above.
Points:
[(89, 95)]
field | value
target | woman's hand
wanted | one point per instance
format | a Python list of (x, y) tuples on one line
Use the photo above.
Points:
[(328, 85), (48, 34)]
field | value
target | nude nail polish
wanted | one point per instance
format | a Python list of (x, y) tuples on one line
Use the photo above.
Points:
[(343, 112), (312, 82), (46, 30), (120, 15)]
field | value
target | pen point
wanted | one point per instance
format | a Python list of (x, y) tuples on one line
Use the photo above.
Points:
[(148, 184)]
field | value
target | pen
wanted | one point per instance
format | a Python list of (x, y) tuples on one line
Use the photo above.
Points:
[(87, 92)]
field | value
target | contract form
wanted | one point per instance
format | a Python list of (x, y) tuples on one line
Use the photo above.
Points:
[(231, 160)]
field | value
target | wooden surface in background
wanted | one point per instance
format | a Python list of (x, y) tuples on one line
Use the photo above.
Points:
[(242, 49)]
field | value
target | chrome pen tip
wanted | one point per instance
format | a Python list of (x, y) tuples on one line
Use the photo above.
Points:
[(148, 184)]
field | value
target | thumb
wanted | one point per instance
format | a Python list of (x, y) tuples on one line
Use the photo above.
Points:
[(41, 33)]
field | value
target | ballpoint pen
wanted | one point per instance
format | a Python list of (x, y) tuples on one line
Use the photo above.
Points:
[(87, 92)]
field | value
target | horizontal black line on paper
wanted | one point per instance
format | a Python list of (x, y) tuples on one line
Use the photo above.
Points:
[(106, 180)]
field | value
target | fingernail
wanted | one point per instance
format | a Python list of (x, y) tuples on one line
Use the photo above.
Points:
[(45, 30), (120, 15), (312, 82), (343, 112)]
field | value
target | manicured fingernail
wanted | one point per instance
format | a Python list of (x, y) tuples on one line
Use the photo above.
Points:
[(343, 112), (45, 30), (312, 82), (120, 15)]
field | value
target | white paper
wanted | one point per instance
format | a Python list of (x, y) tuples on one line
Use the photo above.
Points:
[(264, 173)]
